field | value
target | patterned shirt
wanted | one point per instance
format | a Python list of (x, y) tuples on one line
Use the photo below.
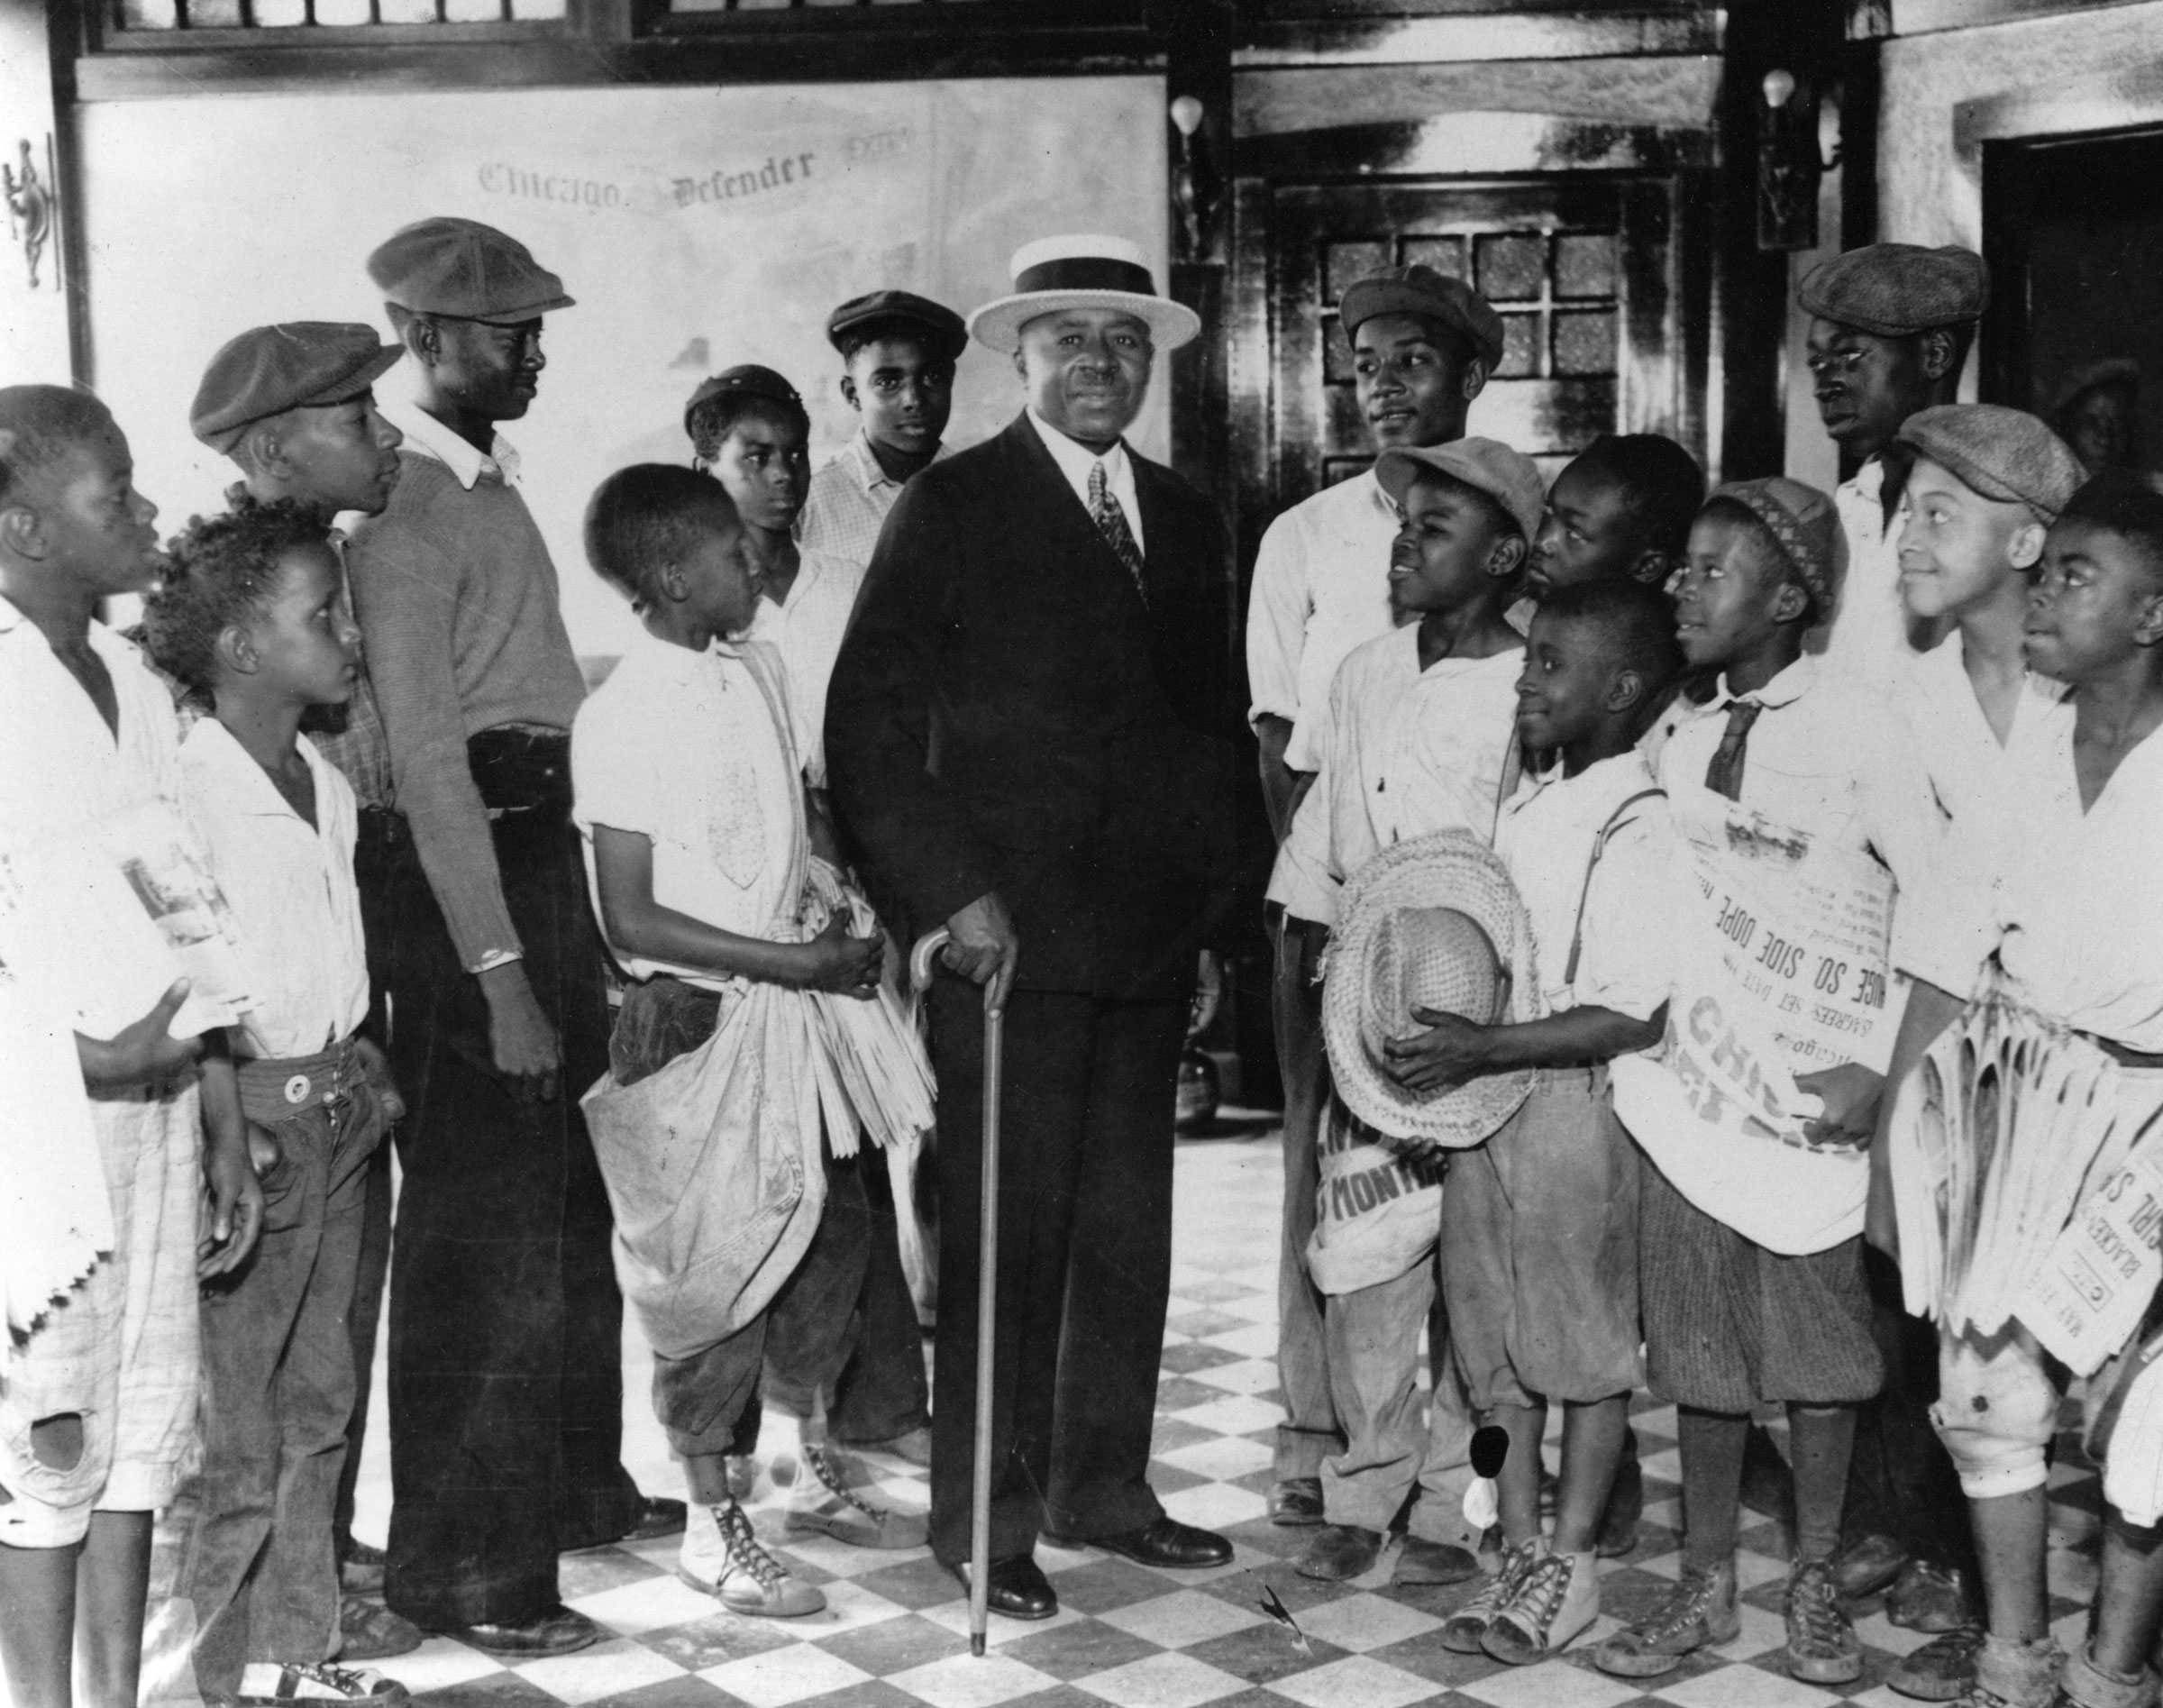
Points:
[(850, 496)]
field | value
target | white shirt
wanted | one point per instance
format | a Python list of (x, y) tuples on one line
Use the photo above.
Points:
[(1321, 587), (1076, 459), (694, 751), (290, 886), (1824, 756), (2073, 906), (1971, 774), (424, 433), (1404, 752), (1869, 634), (1545, 838), (807, 631), (850, 496)]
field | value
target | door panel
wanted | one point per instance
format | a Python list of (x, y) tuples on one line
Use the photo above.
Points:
[(1587, 270)]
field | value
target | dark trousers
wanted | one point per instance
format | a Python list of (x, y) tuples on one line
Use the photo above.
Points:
[(1084, 1262), (881, 1392), (259, 1562), (375, 859), (505, 1354), (1901, 1482), (710, 1402)]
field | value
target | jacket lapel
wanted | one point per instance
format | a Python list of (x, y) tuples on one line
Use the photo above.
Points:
[(1067, 519)]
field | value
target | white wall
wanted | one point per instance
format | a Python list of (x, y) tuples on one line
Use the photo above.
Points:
[(209, 215)]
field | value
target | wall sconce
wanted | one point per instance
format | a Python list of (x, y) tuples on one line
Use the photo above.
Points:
[(33, 207), (1790, 162), (1193, 180)]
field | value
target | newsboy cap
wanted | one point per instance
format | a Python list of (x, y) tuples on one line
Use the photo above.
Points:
[(465, 270), (1802, 523), (300, 364), (1894, 289), (1509, 477), (945, 331), (1422, 291), (2007, 455)]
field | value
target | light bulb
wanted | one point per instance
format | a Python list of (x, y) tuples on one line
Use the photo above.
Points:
[(1779, 88), (1186, 114)]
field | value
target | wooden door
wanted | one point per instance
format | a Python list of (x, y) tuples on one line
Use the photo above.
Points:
[(1589, 271)]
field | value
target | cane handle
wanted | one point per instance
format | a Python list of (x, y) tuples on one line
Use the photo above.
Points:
[(919, 958)]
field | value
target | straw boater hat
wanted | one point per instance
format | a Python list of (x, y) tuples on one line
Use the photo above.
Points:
[(1434, 923), (1082, 273)]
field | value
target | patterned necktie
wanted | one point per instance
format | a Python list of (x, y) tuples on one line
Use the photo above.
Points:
[(1111, 523), (1723, 776)]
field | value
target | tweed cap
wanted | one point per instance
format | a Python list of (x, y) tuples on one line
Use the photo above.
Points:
[(465, 270), (1804, 523), (944, 329), (1487, 465), (1422, 291), (746, 379), (1894, 289), (300, 364), (2006, 454)]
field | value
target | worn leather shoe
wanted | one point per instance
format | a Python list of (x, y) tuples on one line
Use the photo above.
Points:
[(1933, 1598), (1867, 1564), (657, 1516), (554, 1630), (1018, 1588), (1163, 1541), (1296, 1501), (360, 1568), (1338, 1551)]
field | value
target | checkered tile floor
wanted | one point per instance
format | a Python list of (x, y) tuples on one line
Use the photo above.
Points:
[(895, 1630)]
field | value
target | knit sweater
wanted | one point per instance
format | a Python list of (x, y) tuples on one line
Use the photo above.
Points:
[(458, 605)]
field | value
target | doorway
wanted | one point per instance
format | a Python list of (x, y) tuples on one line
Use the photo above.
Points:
[(2073, 234)]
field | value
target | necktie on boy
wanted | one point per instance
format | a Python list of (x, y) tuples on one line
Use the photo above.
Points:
[(1723, 776), (1111, 523)]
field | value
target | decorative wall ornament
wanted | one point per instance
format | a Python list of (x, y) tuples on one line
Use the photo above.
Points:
[(33, 207)]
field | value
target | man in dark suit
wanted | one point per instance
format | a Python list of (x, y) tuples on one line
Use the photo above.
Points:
[(1026, 734)]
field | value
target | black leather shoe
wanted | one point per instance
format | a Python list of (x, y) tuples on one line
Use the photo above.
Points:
[(1166, 1541), (1018, 1588), (1296, 1501), (657, 1516), (555, 1631)]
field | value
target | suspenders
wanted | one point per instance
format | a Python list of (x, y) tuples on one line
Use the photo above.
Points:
[(1613, 824)]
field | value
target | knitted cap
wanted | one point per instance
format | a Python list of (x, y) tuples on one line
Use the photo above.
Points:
[(1802, 521)]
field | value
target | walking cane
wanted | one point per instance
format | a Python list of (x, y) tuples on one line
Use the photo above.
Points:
[(987, 1283)]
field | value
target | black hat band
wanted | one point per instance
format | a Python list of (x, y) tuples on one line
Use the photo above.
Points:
[(1084, 273)]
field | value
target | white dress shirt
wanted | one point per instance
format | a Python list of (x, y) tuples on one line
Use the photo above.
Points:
[(2072, 901), (730, 843), (1404, 752), (1824, 756), (1321, 587), (806, 631), (290, 886), (1076, 459), (1625, 932), (427, 435), (1869, 635)]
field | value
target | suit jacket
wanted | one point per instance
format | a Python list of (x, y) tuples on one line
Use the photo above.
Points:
[(1007, 714)]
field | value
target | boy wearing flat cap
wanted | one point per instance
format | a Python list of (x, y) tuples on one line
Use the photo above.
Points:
[(1417, 736), (294, 406), (506, 1322), (1987, 483), (1752, 1285), (1890, 324), (1423, 345), (898, 355)]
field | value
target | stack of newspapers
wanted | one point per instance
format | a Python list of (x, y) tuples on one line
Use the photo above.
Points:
[(2024, 1184), (872, 1066)]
